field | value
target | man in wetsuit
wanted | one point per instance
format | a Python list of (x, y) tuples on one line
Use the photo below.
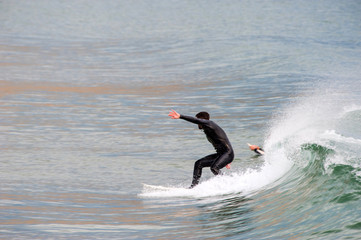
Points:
[(217, 137)]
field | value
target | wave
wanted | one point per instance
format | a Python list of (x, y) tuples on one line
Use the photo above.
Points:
[(315, 136), (320, 161)]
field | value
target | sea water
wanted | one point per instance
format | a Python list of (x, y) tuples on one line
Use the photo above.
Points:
[(86, 87)]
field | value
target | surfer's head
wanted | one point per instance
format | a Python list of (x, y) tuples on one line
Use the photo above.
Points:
[(202, 115)]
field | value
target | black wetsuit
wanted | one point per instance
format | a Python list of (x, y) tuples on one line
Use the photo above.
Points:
[(218, 138)]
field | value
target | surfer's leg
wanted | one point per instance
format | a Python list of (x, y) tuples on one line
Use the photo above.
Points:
[(221, 162), (199, 164)]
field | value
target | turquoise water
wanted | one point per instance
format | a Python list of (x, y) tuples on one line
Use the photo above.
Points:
[(86, 87)]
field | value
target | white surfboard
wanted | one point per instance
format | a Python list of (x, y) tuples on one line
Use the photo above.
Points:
[(160, 188)]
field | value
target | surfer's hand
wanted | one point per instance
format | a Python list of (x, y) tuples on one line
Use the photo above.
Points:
[(228, 166), (174, 115), (253, 147)]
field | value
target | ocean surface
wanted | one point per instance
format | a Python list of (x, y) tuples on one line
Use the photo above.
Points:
[(85, 92)]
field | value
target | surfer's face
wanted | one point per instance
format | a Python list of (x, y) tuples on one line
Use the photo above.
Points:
[(200, 126)]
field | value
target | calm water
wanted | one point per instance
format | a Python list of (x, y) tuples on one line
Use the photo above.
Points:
[(86, 86)]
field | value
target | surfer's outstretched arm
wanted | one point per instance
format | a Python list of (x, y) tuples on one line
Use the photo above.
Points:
[(174, 115)]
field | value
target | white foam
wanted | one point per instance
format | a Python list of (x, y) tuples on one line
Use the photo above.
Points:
[(333, 135), (244, 182), (351, 108)]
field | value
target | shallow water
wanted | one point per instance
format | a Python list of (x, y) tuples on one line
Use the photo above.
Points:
[(86, 87)]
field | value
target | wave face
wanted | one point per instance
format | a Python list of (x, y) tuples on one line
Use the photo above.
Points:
[(321, 136), (310, 181)]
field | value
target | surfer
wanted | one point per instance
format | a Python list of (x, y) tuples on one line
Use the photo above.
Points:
[(217, 137), (256, 149)]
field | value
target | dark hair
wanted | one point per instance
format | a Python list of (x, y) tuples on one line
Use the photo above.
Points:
[(203, 115)]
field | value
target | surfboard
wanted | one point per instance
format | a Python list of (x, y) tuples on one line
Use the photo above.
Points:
[(160, 188)]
